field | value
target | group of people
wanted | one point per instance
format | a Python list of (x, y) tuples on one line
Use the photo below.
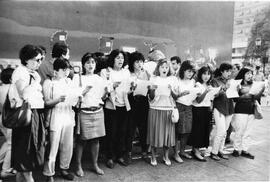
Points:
[(111, 102)]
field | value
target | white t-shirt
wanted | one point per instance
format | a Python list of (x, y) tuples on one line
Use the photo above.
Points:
[(181, 86), (32, 92), (206, 102)]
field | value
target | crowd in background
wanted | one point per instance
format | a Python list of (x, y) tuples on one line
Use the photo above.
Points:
[(99, 103)]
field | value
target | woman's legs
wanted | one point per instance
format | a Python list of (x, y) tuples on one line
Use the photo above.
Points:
[(153, 158), (79, 151), (94, 155), (183, 143)]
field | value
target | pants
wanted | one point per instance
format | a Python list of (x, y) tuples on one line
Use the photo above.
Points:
[(61, 139), (222, 124), (5, 151), (243, 124), (116, 132)]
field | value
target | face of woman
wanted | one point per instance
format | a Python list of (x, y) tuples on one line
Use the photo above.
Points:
[(205, 77), (138, 65), (248, 76), (226, 74), (62, 73), (90, 66), (188, 74), (164, 69), (33, 64), (119, 61)]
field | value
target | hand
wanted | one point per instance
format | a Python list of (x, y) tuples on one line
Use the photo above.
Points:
[(184, 93), (116, 84), (62, 98), (86, 90), (133, 86), (227, 85)]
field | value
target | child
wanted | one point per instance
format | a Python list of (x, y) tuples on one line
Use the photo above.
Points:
[(185, 83), (61, 95), (200, 132), (5, 151), (161, 130)]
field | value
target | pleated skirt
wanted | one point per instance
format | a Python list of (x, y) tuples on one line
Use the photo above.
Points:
[(161, 130)]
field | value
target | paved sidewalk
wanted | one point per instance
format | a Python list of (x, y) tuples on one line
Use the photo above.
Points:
[(234, 169)]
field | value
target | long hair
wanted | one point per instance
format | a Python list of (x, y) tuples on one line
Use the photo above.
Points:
[(186, 65), (203, 70), (113, 55), (159, 63)]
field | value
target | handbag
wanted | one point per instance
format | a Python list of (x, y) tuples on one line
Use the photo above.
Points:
[(16, 117), (258, 111), (175, 115)]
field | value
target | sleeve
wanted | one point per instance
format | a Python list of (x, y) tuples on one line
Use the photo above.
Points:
[(47, 90)]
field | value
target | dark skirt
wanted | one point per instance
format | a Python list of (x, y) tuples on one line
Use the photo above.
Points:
[(201, 126), (24, 156), (184, 124)]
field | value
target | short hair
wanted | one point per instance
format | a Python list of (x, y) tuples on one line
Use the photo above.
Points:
[(28, 52), (237, 66), (203, 70), (113, 55), (186, 65), (85, 58), (135, 56), (59, 49), (177, 58), (42, 48), (6, 75), (257, 67), (223, 67), (60, 63), (159, 63)]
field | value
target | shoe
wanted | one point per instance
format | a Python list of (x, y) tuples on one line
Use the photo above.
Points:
[(178, 159), (223, 156), (122, 162), (110, 164), (214, 157), (201, 158), (79, 173), (236, 153), (167, 162), (186, 155), (153, 162), (6, 174), (98, 171), (49, 179), (247, 155), (66, 175)]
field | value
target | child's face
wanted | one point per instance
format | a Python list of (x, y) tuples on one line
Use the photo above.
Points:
[(248, 76), (206, 76), (138, 65), (164, 69), (226, 73), (90, 65), (188, 74), (119, 61)]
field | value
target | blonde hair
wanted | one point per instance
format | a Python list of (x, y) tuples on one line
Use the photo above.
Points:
[(159, 63)]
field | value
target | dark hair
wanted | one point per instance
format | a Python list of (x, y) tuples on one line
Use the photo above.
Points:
[(257, 67), (28, 52), (135, 56), (159, 63), (186, 65), (60, 63), (237, 66), (113, 55), (42, 48), (6, 75), (59, 49), (241, 75), (223, 67), (85, 58), (177, 58), (203, 70), (99, 54)]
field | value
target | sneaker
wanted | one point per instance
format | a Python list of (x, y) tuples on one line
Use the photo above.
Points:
[(214, 157), (153, 162), (223, 156), (247, 155), (236, 153), (6, 174), (167, 162), (66, 175)]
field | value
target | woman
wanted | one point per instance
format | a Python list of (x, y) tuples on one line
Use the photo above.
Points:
[(223, 110), (91, 122), (139, 104), (244, 114), (116, 107), (29, 140)]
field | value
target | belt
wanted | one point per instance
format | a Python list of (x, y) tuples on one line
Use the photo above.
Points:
[(93, 109)]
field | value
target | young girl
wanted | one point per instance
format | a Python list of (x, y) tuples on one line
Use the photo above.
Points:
[(91, 113), (139, 104), (223, 110), (61, 95), (116, 107), (201, 114), (244, 114), (161, 130), (185, 83)]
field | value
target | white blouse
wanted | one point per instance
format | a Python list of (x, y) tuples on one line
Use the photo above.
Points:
[(206, 102), (181, 86)]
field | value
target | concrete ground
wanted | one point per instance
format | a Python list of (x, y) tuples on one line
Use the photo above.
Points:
[(234, 169)]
